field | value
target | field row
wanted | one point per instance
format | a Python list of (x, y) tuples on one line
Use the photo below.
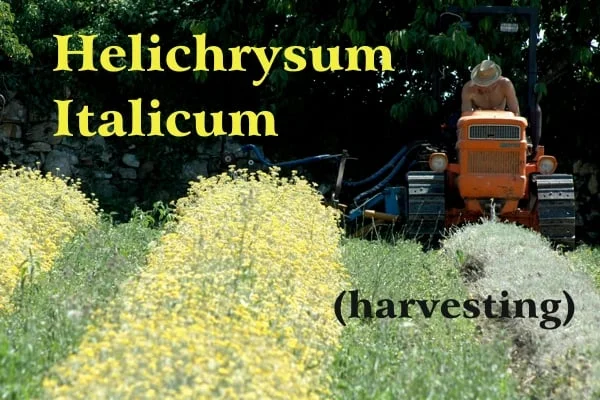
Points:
[(233, 297)]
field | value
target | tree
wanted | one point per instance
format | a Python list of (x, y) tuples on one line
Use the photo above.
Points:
[(432, 51)]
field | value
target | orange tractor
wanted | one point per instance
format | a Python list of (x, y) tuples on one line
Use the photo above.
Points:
[(497, 172), (494, 178)]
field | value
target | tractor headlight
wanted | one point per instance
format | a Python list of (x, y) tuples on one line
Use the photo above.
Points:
[(546, 165), (438, 162)]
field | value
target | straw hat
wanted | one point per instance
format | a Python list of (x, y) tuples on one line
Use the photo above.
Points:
[(486, 73)]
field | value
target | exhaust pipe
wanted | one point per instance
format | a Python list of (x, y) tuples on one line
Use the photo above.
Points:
[(536, 134)]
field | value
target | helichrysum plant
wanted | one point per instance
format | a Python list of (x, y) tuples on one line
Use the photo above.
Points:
[(236, 301), (38, 214)]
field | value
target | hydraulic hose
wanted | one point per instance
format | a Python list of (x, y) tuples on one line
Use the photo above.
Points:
[(389, 177), (377, 174), (260, 156)]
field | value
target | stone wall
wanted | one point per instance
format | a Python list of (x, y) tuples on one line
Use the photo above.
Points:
[(119, 173)]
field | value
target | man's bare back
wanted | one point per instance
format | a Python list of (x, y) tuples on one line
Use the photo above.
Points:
[(497, 96)]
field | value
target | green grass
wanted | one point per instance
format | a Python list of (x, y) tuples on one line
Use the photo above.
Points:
[(587, 260), (415, 358), (54, 309)]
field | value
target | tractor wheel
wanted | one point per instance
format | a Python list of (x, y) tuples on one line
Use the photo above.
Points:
[(556, 207), (426, 205)]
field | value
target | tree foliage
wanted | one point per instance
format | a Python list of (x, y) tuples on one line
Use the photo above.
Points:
[(9, 42), (433, 51)]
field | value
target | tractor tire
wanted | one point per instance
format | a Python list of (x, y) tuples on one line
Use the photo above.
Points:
[(426, 205), (556, 207)]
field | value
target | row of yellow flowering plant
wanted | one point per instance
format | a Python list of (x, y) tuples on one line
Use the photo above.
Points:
[(38, 214), (236, 301)]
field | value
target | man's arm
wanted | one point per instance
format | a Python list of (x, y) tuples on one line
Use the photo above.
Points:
[(511, 98), (467, 104)]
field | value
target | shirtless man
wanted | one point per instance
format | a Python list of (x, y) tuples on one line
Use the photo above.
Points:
[(489, 90)]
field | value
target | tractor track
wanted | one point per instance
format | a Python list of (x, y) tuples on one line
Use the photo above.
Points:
[(426, 204), (556, 207)]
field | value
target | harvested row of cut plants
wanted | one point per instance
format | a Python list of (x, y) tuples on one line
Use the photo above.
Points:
[(553, 360)]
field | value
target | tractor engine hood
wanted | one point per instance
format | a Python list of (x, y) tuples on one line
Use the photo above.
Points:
[(495, 117)]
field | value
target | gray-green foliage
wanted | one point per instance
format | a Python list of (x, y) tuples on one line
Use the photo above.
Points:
[(499, 256)]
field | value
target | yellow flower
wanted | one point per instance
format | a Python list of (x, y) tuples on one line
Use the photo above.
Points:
[(235, 302), (38, 214)]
